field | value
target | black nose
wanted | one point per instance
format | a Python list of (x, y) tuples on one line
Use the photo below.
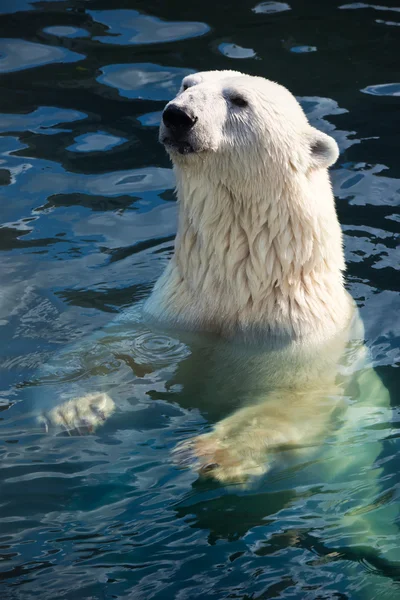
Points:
[(177, 118)]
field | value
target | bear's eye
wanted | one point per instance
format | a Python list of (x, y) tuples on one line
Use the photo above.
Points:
[(238, 101), (185, 87)]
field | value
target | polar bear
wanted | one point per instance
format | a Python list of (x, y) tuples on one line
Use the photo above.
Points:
[(257, 275), (258, 261), (255, 292)]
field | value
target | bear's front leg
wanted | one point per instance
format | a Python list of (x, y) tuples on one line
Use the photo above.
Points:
[(243, 445)]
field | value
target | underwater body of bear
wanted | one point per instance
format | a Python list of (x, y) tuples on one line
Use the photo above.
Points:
[(257, 277)]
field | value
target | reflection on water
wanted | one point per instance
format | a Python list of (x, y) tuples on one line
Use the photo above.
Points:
[(41, 120), (87, 224), (144, 81), (127, 27), (235, 51), (385, 89), (72, 32), (95, 142), (17, 55)]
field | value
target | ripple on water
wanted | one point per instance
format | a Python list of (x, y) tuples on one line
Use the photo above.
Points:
[(128, 27), (145, 81), (17, 55), (158, 349)]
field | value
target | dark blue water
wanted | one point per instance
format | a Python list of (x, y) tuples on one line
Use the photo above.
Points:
[(87, 219)]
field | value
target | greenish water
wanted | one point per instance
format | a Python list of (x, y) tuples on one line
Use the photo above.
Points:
[(88, 219)]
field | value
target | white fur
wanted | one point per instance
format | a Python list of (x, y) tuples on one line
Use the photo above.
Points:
[(259, 246)]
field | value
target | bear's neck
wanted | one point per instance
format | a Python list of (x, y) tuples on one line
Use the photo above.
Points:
[(249, 260)]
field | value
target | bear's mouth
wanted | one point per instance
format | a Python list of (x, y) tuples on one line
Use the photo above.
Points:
[(177, 146)]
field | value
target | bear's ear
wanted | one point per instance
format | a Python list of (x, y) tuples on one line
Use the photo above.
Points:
[(324, 151)]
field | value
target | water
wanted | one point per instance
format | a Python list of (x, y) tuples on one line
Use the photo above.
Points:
[(88, 219)]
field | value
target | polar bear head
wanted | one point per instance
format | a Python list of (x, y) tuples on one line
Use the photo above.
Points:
[(254, 125)]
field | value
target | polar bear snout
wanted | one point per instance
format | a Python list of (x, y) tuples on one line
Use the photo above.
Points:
[(177, 123), (177, 119)]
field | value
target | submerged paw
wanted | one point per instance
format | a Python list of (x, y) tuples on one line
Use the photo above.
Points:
[(223, 461), (79, 415)]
